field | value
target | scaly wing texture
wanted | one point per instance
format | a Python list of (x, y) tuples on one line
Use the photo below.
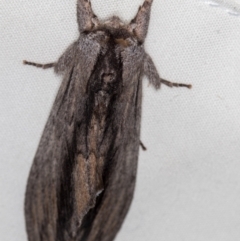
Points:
[(86, 149), (105, 219), (59, 190), (82, 179)]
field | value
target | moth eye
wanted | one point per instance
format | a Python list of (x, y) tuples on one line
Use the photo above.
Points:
[(122, 42)]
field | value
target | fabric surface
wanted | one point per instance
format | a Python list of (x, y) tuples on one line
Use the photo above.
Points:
[(188, 185)]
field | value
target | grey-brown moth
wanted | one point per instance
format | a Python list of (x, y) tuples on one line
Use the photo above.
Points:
[(83, 175)]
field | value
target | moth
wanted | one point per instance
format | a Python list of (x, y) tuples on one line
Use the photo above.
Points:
[(83, 175)]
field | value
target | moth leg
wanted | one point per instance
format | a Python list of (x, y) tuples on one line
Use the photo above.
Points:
[(144, 148), (43, 66), (152, 74), (172, 84)]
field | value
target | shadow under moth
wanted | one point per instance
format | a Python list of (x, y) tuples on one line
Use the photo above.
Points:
[(83, 175)]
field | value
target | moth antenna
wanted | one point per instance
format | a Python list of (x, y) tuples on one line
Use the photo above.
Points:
[(139, 25), (86, 18)]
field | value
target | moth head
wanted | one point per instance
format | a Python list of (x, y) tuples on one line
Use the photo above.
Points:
[(137, 28), (114, 22)]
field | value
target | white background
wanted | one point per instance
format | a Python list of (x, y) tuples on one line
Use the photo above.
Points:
[(188, 185)]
